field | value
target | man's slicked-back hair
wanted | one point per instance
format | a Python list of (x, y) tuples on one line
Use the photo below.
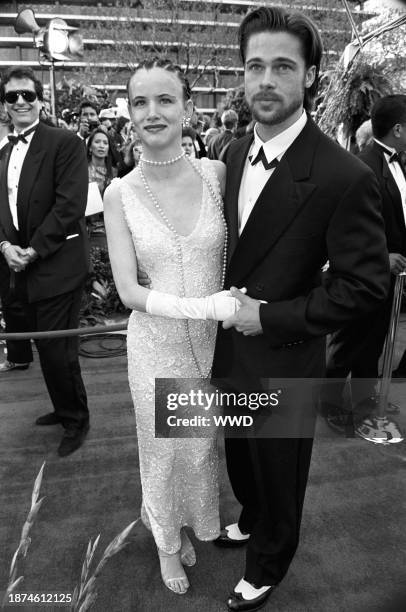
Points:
[(387, 112), (165, 64), (274, 19), (21, 72)]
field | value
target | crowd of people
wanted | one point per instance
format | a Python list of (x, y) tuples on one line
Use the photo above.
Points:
[(235, 291)]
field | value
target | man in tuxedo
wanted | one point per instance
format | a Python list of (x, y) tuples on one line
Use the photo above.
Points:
[(294, 199), (19, 353), (229, 120), (356, 348), (43, 243)]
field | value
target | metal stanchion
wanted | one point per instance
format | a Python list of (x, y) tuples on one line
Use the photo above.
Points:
[(379, 428)]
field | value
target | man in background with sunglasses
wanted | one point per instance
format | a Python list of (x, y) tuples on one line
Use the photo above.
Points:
[(43, 243)]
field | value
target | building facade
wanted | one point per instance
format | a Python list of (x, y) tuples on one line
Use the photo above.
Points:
[(200, 36)]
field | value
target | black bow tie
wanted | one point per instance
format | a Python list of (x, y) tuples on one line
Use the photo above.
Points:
[(399, 157), (395, 157), (262, 157), (14, 139)]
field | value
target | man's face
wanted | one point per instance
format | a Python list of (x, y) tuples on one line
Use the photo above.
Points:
[(22, 112), (89, 114), (275, 78), (400, 144)]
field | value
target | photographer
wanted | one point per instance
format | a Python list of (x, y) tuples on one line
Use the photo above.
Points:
[(88, 119)]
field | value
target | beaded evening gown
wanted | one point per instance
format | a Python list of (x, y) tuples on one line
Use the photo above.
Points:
[(179, 476)]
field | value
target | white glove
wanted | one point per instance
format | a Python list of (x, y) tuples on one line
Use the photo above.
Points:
[(216, 307)]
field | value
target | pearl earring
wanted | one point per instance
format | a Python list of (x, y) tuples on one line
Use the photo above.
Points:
[(186, 121)]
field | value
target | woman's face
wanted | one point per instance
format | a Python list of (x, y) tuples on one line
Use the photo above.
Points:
[(100, 145), (157, 107), (187, 144)]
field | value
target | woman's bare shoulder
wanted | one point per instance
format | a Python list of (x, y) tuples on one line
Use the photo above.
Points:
[(220, 169), (113, 191)]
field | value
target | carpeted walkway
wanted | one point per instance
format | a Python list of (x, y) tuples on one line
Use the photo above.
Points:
[(351, 556)]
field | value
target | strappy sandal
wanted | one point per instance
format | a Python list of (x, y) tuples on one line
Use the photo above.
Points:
[(172, 572)]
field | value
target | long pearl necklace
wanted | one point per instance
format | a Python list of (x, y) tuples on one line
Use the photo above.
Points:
[(167, 162), (218, 201)]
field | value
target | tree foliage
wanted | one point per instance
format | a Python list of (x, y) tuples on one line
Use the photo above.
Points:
[(166, 28), (235, 99), (378, 69), (351, 95)]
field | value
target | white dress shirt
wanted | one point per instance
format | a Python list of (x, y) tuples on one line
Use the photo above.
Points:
[(396, 172), (15, 164), (255, 177)]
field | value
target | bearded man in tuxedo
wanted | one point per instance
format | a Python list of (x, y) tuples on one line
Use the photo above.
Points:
[(43, 242), (294, 200)]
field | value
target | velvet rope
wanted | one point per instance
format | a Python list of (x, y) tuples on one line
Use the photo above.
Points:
[(81, 331)]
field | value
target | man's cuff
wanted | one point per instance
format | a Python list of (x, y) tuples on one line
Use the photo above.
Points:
[(4, 244)]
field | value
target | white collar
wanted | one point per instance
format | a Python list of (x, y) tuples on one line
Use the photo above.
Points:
[(278, 145), (387, 148), (26, 129)]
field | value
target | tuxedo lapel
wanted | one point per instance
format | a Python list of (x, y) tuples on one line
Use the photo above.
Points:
[(235, 169), (279, 202), (29, 172), (391, 186), (6, 220)]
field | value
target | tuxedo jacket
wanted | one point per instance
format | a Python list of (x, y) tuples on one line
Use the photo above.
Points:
[(320, 204), (51, 202), (392, 208), (218, 143)]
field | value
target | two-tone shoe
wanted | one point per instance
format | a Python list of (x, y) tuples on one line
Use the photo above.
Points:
[(232, 537), (247, 597)]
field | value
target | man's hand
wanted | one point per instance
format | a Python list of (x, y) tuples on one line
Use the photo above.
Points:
[(31, 254), (143, 278), (397, 263), (84, 128), (16, 258), (246, 320)]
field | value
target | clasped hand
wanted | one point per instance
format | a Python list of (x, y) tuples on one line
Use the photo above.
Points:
[(17, 258), (246, 320), (397, 263)]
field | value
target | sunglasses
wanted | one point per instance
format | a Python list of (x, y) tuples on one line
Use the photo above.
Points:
[(11, 97)]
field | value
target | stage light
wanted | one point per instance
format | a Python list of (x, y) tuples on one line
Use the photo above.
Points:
[(56, 41)]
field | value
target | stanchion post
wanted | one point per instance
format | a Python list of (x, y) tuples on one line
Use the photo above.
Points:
[(379, 428)]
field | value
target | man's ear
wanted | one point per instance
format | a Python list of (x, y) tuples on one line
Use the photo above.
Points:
[(310, 76)]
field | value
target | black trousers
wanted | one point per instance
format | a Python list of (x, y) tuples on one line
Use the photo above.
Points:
[(58, 357), (269, 478), (18, 351), (356, 350)]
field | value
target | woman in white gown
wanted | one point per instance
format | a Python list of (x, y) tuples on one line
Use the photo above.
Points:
[(166, 217)]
